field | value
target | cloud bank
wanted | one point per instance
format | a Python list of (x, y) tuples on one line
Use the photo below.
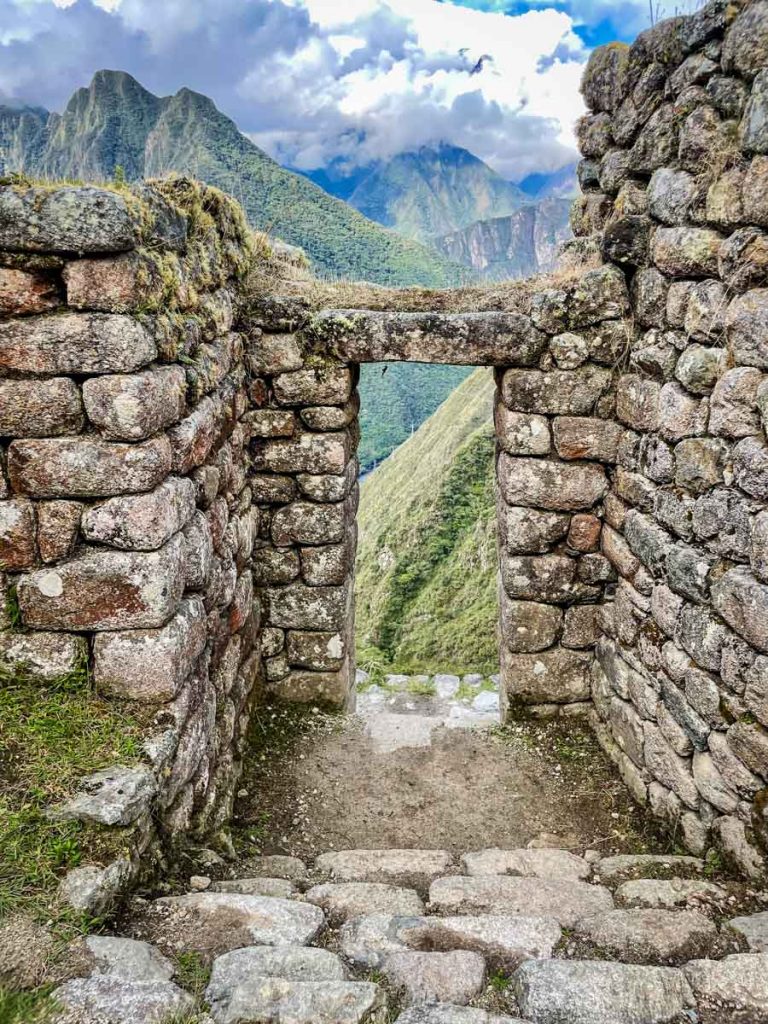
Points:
[(316, 80)]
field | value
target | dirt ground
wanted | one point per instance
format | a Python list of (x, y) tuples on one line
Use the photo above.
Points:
[(315, 783)]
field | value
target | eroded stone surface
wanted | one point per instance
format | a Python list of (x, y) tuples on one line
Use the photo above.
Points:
[(434, 977), (414, 869), (564, 900), (350, 899)]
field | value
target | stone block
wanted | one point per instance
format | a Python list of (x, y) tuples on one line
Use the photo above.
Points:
[(76, 219), (40, 408), (603, 81), (560, 392), (270, 489), (743, 603), (670, 194), (327, 688), (327, 566), (753, 129), (669, 768), (749, 742), (582, 626), (528, 627), (330, 417), (192, 439), (649, 297), (134, 407), (702, 636), (686, 251), (142, 522), (755, 190), (270, 423), (303, 522), (747, 327), (326, 385), (584, 533), (526, 531), (688, 572), (46, 656), (618, 552), (551, 485), (198, 552), (657, 142), (637, 402), (744, 259), (151, 665), (105, 590), (558, 676), (579, 437), (82, 343), (301, 607), (116, 284), (25, 292), (86, 467), (570, 350), (733, 407), (58, 524), (750, 466), (699, 368), (520, 433), (700, 463), (308, 453), (17, 534), (321, 652), (271, 565), (274, 353), (746, 44), (327, 487)]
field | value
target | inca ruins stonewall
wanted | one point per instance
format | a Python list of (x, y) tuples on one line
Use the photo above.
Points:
[(179, 481)]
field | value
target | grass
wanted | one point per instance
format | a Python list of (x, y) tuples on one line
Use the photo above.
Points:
[(192, 973), (26, 1007), (51, 735)]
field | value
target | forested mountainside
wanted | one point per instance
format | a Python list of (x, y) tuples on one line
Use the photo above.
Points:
[(117, 123), (426, 571), (520, 245)]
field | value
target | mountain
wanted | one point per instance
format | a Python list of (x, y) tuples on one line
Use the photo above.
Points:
[(525, 243), (434, 190), (426, 569), (545, 185), (116, 122)]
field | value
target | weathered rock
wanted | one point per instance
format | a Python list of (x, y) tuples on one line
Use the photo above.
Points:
[(105, 590), (274, 353), (753, 130), (747, 322), (550, 485), (58, 523), (563, 899), (623, 866), (128, 959), (457, 977), (300, 1002), (538, 863), (650, 936), (528, 626), (350, 899), (133, 407), (668, 893), (17, 534), (320, 609), (86, 467), (521, 434), (45, 656), (686, 251), (191, 440), (699, 368), (596, 992), (277, 866), (527, 531), (586, 438), (670, 194), (414, 869), (319, 386), (549, 578), (445, 1013), (105, 999), (214, 923), (738, 982), (236, 971), (279, 888), (743, 603), (90, 343), (40, 408), (308, 453), (700, 463), (114, 796), (323, 652), (733, 409), (753, 928), (23, 292), (307, 523), (559, 392), (142, 522), (603, 80), (558, 676)]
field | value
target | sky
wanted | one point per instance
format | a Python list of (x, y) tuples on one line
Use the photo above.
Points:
[(352, 81)]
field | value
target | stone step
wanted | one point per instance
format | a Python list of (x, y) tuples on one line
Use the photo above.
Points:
[(566, 901), (668, 893), (445, 1013), (128, 959), (292, 963), (212, 923), (342, 900), (738, 982), (754, 929), (503, 941), (414, 869), (456, 977), (276, 866), (108, 999), (623, 867), (650, 936), (281, 1001), (599, 992), (278, 888), (543, 863)]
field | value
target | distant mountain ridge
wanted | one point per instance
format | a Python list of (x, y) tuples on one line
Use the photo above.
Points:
[(117, 122)]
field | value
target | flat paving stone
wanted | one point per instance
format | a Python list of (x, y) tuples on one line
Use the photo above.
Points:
[(293, 963), (212, 923), (436, 977), (279, 888), (277, 866), (668, 893), (129, 959), (504, 941), (389, 731), (625, 866), (279, 1001), (754, 928), (443, 1013), (599, 992), (414, 869), (650, 936), (540, 863), (738, 982), (565, 900), (106, 999), (342, 900)]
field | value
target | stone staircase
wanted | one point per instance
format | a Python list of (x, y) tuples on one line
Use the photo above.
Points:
[(533, 935)]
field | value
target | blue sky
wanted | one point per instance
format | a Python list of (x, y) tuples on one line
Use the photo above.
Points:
[(313, 81)]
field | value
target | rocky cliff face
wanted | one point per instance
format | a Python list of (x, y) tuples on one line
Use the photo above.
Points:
[(524, 243)]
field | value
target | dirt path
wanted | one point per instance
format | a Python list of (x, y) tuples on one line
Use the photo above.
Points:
[(416, 771)]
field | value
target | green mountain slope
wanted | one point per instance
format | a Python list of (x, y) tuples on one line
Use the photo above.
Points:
[(426, 570), (118, 122), (433, 191)]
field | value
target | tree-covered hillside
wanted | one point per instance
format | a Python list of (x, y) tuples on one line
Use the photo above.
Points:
[(426, 586)]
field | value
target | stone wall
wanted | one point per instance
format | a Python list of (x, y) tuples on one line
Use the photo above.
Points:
[(127, 521), (675, 180)]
